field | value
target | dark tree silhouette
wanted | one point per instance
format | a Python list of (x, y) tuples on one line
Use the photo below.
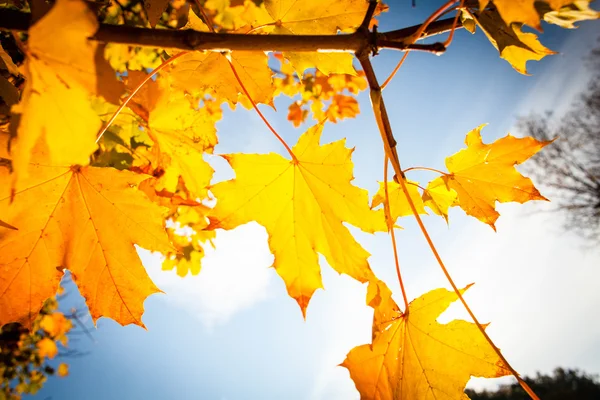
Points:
[(569, 384), (571, 165)]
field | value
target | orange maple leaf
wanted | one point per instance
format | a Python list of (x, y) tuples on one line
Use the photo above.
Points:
[(523, 10), (302, 203), (413, 356), (47, 348), (210, 71), (482, 174), (85, 219)]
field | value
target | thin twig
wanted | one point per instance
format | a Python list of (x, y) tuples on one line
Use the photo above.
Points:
[(260, 114), (425, 169)]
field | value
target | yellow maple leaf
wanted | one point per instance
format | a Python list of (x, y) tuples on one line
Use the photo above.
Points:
[(399, 206), (514, 46), (482, 174), (47, 348), (523, 11), (302, 203), (412, 356), (211, 71), (60, 72), (84, 219), (439, 197)]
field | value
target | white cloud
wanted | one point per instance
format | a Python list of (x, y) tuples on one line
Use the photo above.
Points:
[(235, 276)]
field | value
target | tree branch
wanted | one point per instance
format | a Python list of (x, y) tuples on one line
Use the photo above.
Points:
[(194, 40)]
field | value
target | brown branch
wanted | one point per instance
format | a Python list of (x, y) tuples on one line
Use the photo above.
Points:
[(194, 40)]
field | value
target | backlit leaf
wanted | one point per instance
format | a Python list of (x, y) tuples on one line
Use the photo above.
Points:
[(60, 75), (47, 348), (523, 11), (84, 219), (482, 174), (303, 205), (210, 71), (514, 46), (412, 356)]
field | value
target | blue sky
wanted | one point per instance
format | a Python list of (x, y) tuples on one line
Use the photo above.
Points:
[(233, 333)]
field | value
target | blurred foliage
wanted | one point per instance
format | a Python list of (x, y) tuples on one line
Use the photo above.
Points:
[(25, 355)]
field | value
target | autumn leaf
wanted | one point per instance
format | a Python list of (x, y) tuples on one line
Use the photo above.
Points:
[(47, 348), (523, 11), (84, 219), (567, 16), (514, 46), (399, 206), (482, 174), (61, 74), (412, 356), (302, 203), (211, 71), (439, 197), (296, 114)]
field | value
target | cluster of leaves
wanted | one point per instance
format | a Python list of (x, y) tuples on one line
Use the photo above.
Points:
[(24, 353), (95, 161)]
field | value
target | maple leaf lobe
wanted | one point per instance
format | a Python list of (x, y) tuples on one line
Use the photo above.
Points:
[(302, 203)]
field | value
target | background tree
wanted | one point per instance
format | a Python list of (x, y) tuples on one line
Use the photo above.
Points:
[(571, 164), (569, 384)]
